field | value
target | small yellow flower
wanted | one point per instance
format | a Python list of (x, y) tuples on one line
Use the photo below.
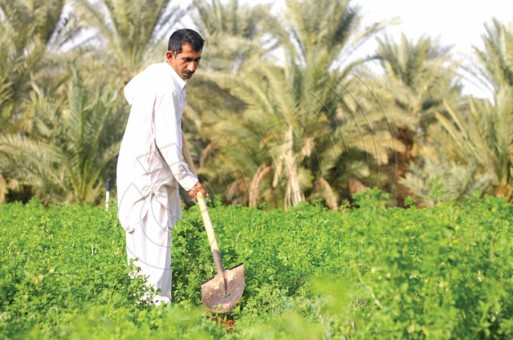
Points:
[(37, 279)]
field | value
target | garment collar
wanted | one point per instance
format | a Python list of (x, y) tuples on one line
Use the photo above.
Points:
[(181, 83)]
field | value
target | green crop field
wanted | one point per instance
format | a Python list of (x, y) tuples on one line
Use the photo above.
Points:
[(311, 273)]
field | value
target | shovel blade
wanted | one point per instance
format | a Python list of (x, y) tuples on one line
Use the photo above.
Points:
[(219, 297)]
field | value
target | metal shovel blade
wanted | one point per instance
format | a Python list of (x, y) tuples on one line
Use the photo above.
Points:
[(221, 294)]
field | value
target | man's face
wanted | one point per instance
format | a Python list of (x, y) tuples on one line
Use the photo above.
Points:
[(184, 63)]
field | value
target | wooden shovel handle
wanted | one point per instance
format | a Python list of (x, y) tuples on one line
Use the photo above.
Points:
[(218, 260), (211, 235)]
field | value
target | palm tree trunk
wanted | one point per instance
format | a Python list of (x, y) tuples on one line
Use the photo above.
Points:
[(293, 194), (3, 189), (323, 186), (256, 183), (404, 135)]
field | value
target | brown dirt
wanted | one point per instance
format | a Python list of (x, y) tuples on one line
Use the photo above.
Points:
[(228, 324)]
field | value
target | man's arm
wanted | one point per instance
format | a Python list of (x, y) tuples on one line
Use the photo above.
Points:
[(188, 159), (168, 137)]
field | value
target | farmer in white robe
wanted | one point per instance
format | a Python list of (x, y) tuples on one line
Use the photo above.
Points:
[(151, 165)]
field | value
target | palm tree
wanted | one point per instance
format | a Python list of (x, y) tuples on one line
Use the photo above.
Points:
[(33, 32), (480, 129), (233, 32), (497, 64), (126, 34), (296, 121), (72, 144), (483, 141), (495, 68), (417, 78), (422, 76)]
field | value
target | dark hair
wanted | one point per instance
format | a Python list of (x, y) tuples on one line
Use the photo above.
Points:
[(182, 37)]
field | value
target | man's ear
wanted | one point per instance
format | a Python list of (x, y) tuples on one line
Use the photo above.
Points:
[(170, 55)]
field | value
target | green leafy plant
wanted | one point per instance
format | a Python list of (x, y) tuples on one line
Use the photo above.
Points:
[(367, 272)]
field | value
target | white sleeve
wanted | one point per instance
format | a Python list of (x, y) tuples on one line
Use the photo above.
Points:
[(168, 137)]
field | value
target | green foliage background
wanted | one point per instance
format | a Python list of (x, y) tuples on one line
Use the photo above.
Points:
[(285, 108), (440, 272)]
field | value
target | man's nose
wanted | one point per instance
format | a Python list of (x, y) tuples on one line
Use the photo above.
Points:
[(192, 66)]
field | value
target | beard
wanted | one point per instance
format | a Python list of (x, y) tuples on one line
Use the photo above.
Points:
[(187, 74)]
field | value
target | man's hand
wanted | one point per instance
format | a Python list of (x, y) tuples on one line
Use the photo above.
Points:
[(194, 191)]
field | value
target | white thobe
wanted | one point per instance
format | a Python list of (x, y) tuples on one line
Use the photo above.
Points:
[(150, 168)]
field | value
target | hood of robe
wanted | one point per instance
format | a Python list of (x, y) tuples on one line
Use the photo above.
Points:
[(132, 88)]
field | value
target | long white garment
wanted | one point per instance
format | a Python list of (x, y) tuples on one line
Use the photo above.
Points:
[(151, 165), (149, 246)]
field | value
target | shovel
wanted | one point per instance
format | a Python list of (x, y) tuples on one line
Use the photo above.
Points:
[(221, 293)]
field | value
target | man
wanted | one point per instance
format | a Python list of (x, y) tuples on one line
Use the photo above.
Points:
[(151, 164)]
